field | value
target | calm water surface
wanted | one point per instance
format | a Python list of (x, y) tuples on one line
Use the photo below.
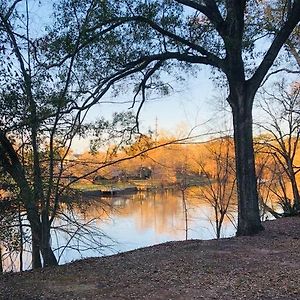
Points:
[(127, 222), (139, 220)]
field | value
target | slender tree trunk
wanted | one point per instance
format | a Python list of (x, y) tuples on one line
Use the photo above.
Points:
[(1, 265), (248, 218), (185, 210), (297, 206), (21, 237), (294, 187), (220, 224), (218, 229), (296, 195)]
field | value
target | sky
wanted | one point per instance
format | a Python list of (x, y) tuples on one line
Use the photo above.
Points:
[(195, 102), (191, 104)]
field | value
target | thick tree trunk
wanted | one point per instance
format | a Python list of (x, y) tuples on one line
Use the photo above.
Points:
[(41, 244), (40, 241), (36, 258), (35, 225), (40, 232), (248, 210), (46, 250), (48, 255)]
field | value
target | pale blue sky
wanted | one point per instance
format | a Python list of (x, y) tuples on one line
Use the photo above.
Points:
[(193, 102), (189, 102)]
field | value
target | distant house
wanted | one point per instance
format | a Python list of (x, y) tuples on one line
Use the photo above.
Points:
[(119, 175), (144, 173)]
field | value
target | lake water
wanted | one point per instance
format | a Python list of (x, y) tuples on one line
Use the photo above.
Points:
[(139, 220), (128, 222)]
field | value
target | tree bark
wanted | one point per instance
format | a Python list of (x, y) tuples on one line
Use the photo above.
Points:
[(49, 258), (40, 240), (41, 245), (36, 258), (248, 210), (46, 250), (295, 192), (293, 180), (1, 265), (34, 222)]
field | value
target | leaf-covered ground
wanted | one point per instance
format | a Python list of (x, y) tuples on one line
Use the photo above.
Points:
[(265, 266)]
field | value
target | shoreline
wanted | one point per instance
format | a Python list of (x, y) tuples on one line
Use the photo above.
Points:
[(264, 266)]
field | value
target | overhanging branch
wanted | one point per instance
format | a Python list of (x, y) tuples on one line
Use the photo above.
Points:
[(281, 37)]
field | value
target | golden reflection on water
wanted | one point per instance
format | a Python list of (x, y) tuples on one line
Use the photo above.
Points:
[(139, 219), (159, 211)]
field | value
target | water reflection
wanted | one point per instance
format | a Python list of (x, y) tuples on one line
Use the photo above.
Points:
[(144, 219), (125, 223)]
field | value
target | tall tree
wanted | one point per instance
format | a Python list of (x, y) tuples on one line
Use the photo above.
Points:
[(223, 35), (47, 87)]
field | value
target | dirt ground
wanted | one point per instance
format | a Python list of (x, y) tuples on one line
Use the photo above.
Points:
[(265, 266)]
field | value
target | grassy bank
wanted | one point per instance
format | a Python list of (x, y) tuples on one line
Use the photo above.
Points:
[(141, 185)]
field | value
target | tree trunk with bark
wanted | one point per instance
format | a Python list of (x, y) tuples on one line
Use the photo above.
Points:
[(35, 251), (248, 209), (46, 250), (1, 265), (293, 180), (40, 241), (34, 221)]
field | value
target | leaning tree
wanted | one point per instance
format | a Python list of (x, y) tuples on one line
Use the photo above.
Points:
[(49, 80)]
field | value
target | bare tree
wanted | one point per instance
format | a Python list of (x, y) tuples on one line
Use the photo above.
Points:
[(220, 190), (282, 133), (183, 185), (44, 100), (271, 183)]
